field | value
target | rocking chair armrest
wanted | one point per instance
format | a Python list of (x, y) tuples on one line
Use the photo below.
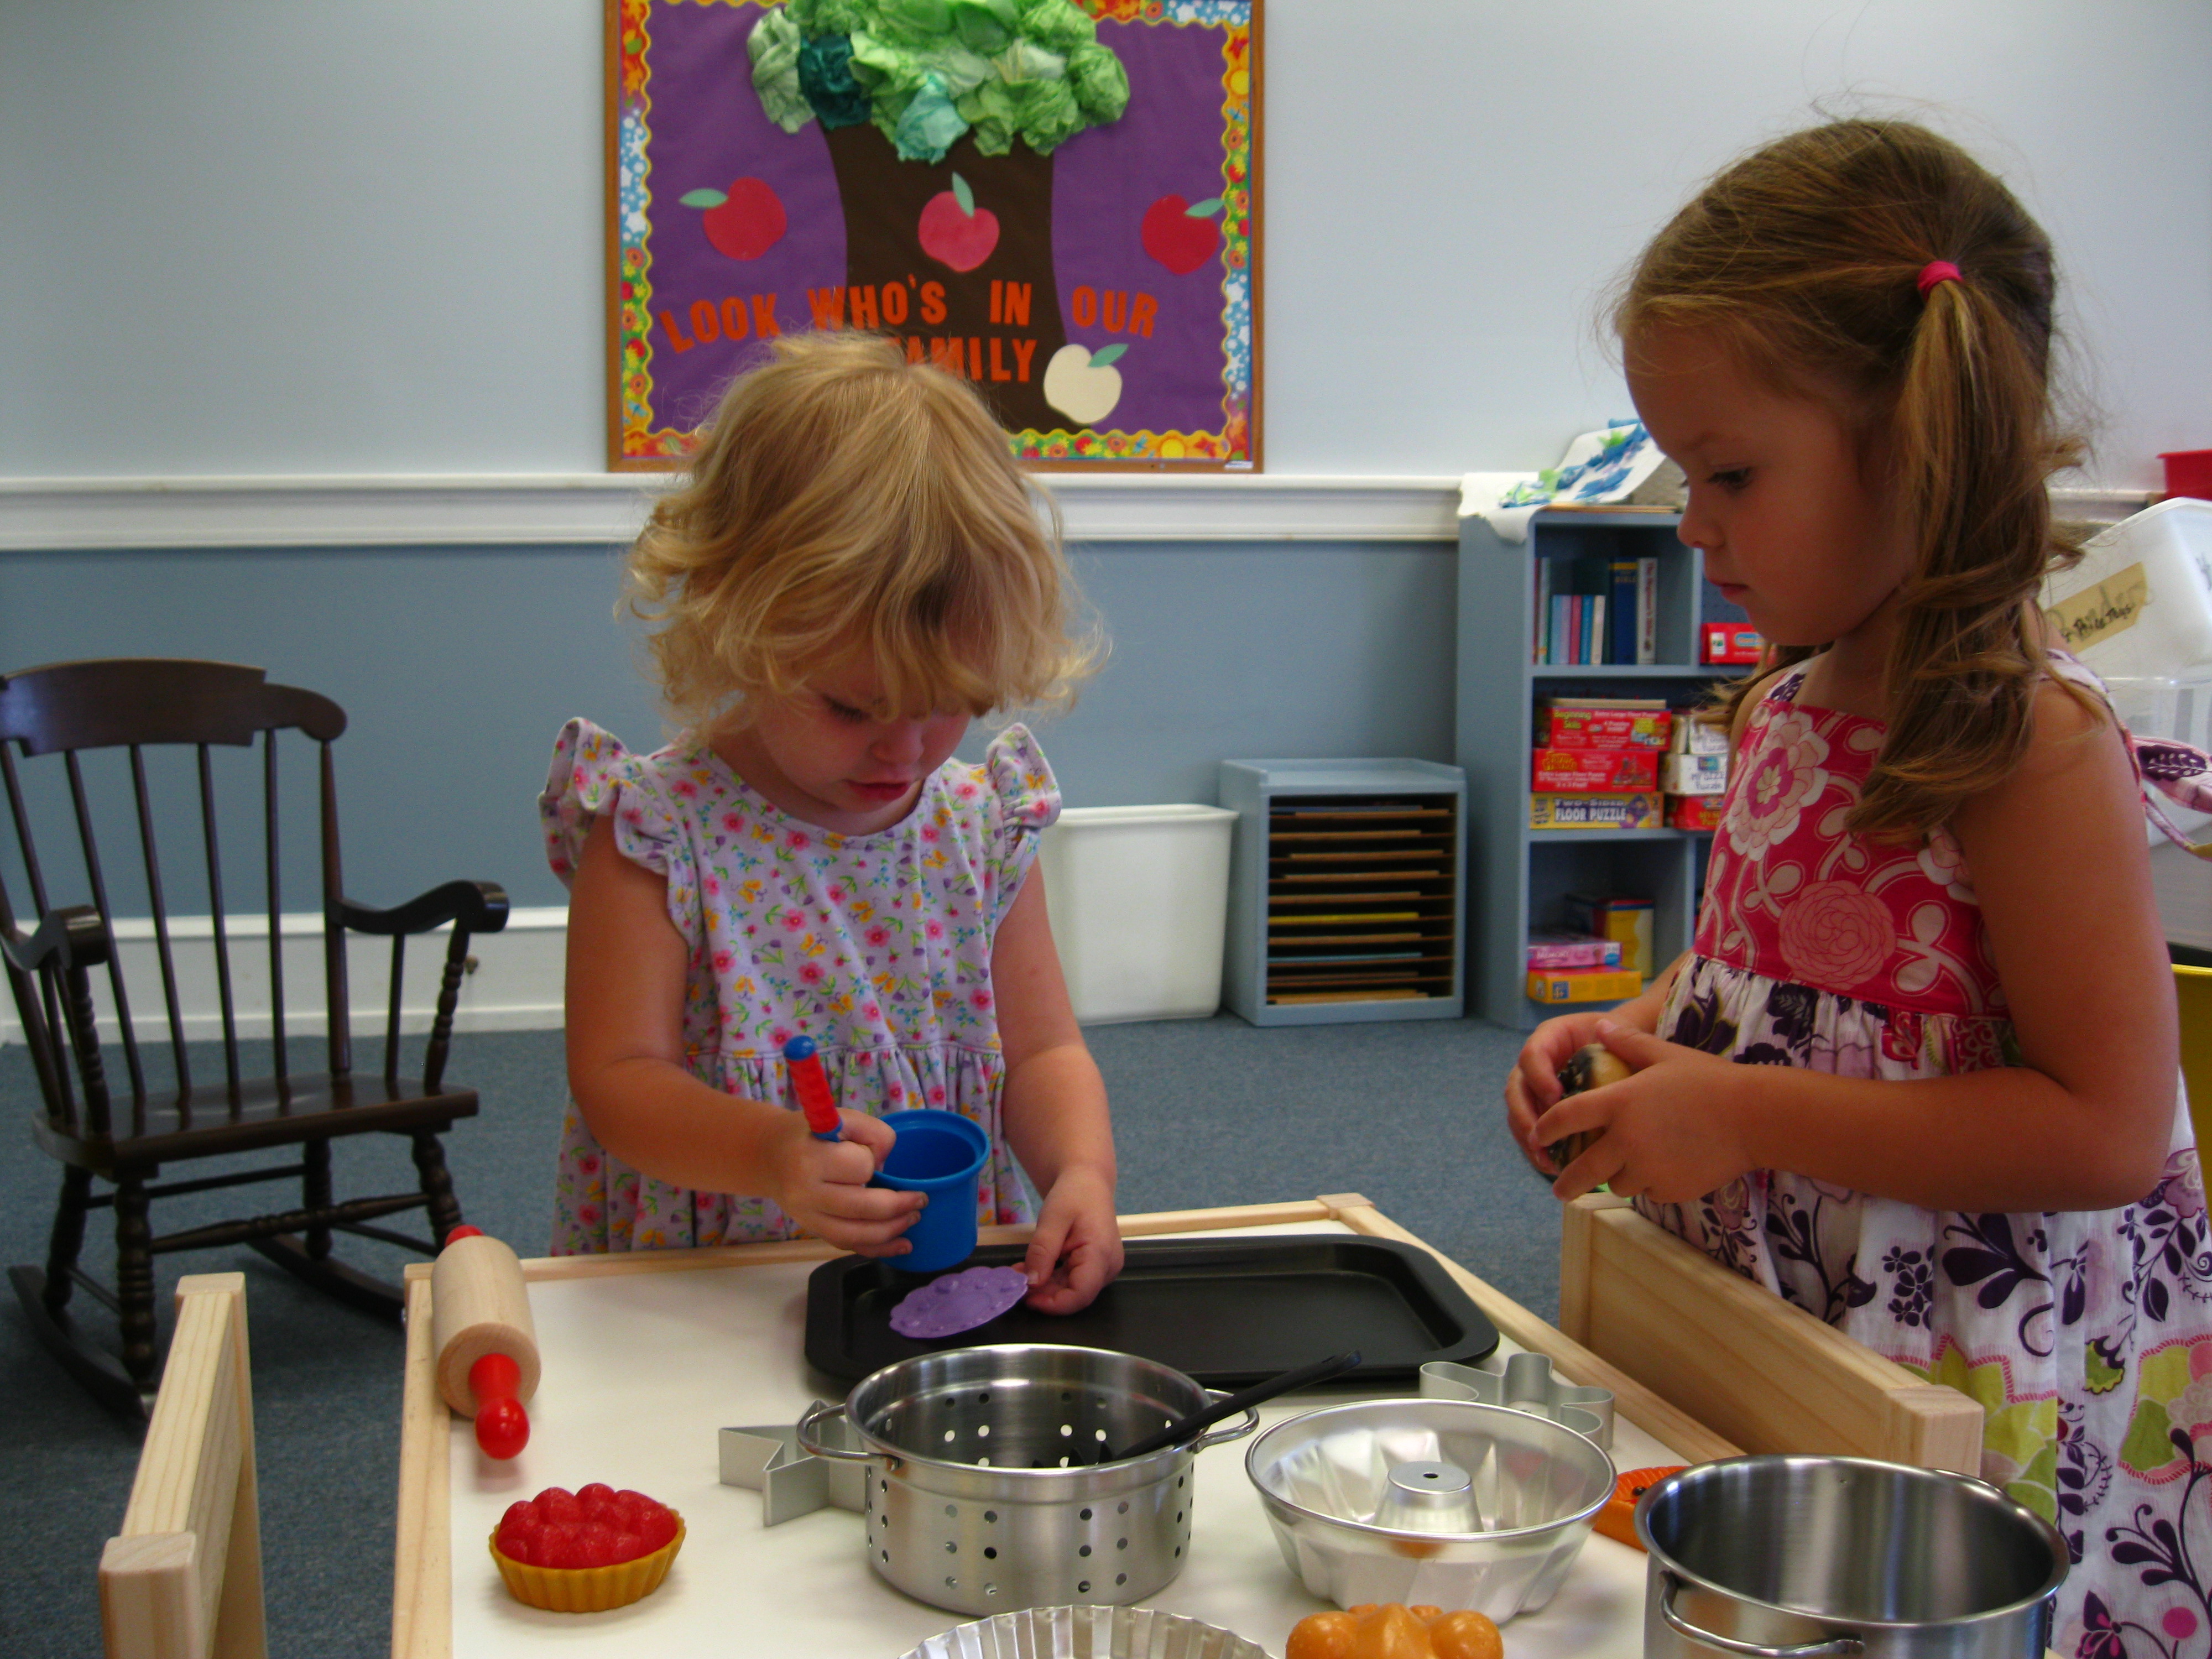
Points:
[(75, 936), (475, 906)]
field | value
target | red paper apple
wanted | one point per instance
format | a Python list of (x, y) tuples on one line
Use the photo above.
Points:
[(1181, 236), (954, 231), (745, 223)]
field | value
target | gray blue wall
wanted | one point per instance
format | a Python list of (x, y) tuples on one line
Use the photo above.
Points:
[(457, 665)]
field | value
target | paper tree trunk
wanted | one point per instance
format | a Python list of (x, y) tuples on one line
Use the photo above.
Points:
[(998, 322)]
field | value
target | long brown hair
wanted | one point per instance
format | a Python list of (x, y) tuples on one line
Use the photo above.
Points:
[(844, 495), (1805, 258)]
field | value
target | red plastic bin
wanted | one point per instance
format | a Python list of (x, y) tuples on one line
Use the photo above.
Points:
[(2189, 472)]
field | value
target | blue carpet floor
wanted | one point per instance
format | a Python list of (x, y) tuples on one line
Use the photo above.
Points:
[(1206, 1112)]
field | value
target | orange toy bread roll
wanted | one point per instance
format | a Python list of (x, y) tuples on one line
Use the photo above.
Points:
[(478, 1305), (1388, 1631)]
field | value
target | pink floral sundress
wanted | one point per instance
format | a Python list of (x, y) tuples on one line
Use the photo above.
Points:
[(2086, 1336), (877, 946)]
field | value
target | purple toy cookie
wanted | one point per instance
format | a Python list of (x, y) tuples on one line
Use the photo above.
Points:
[(959, 1301)]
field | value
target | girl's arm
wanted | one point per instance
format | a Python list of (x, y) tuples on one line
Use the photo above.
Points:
[(627, 966), (2060, 867), (1054, 1111)]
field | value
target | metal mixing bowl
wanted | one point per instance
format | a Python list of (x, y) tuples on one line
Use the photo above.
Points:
[(1534, 1486)]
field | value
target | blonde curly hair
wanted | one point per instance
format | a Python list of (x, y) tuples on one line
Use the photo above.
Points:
[(844, 497)]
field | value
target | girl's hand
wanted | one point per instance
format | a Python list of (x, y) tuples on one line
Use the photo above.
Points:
[(823, 1185), (1076, 1248), (1668, 1134), (1532, 1087)]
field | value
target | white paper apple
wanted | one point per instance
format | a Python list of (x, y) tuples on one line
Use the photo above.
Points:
[(1084, 388)]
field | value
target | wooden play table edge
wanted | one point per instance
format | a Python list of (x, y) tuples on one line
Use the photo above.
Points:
[(422, 1579)]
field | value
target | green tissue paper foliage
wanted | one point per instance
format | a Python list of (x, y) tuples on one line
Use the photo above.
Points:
[(926, 72)]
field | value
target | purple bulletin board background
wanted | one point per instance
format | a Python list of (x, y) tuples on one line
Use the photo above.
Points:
[(685, 315)]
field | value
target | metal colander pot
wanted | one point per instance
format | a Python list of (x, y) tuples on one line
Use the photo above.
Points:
[(986, 1493)]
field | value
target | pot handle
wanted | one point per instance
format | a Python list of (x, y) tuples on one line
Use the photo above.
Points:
[(811, 1442), (1690, 1632), (1233, 1431)]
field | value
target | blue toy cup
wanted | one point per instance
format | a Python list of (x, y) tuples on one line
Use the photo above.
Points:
[(940, 1153)]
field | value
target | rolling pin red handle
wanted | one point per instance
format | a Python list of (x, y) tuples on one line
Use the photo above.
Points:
[(502, 1425), (812, 1084)]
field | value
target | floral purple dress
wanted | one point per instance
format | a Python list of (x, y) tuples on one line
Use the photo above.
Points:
[(2086, 1336), (878, 946)]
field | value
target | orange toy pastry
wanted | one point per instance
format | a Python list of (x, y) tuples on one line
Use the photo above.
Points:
[(1392, 1631)]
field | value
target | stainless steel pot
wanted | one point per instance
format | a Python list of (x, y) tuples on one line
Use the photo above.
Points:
[(1801, 1557), (985, 1494)]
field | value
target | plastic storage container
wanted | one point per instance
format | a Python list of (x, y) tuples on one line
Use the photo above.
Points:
[(2140, 602), (2178, 706), (1139, 902)]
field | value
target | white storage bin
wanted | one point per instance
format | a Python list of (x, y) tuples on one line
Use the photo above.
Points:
[(2154, 614), (1139, 902)]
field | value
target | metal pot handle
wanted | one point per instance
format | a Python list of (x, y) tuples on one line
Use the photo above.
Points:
[(1234, 1432), (814, 1446), (1690, 1632)]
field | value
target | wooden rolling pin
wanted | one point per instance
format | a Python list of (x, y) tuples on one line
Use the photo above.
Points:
[(482, 1333)]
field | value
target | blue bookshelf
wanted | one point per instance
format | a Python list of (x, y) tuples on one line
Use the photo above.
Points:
[(1517, 878)]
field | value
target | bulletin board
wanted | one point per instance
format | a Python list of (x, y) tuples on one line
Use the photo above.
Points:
[(1057, 199)]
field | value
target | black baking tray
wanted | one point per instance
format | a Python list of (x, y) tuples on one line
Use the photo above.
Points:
[(1227, 1312)]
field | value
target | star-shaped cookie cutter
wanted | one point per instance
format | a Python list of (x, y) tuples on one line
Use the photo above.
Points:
[(767, 1459), (1524, 1382)]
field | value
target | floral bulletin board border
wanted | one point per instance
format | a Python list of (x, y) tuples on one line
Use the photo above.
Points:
[(1057, 199)]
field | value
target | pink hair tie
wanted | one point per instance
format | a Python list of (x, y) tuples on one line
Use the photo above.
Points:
[(1935, 272)]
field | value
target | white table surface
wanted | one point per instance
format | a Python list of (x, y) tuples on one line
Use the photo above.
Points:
[(642, 1372)]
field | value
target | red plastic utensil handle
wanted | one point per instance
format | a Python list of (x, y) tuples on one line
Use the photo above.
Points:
[(812, 1084), (502, 1427), (494, 1376)]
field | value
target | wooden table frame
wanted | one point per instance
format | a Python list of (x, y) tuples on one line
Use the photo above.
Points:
[(1757, 1368), (183, 1577), (422, 1599)]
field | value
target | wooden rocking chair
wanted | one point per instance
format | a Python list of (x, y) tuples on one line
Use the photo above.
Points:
[(140, 704)]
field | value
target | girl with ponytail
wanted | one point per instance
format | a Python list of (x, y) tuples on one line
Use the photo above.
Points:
[(1918, 1073)]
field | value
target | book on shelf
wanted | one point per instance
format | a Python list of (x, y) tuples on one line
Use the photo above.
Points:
[(1622, 613), (1540, 622), (1591, 613), (1647, 611)]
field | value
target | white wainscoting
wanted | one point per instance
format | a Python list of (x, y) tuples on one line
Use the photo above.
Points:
[(548, 509), (515, 987)]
